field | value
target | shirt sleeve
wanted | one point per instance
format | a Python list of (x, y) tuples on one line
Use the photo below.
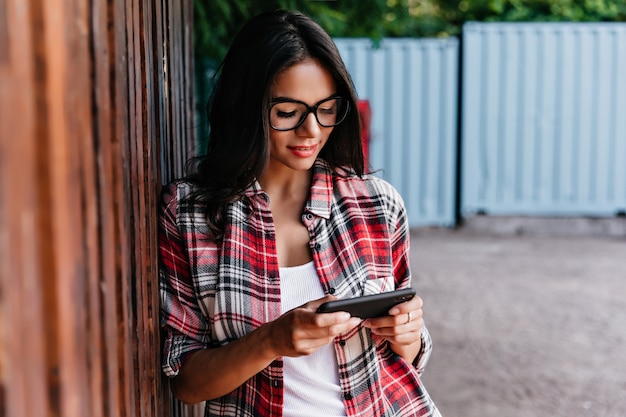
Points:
[(400, 239), (400, 245), (184, 328)]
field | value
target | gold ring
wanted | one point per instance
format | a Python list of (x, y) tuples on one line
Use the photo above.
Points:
[(408, 318)]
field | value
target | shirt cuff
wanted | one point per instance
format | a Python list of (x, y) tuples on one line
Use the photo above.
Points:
[(424, 354)]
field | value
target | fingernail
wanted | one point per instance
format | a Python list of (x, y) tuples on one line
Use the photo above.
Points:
[(344, 316)]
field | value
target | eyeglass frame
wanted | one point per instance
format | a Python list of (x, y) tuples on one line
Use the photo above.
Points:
[(309, 110)]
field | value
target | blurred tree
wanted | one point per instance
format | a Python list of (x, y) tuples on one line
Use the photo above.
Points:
[(216, 21)]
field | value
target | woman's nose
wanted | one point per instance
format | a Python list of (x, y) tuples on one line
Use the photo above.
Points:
[(309, 127)]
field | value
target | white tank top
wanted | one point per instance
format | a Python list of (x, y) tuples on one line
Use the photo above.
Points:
[(311, 382)]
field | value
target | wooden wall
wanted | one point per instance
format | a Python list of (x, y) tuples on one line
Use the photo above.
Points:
[(95, 113)]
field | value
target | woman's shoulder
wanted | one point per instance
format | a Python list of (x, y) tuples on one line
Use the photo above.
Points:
[(369, 194), (177, 194), (177, 189), (370, 184)]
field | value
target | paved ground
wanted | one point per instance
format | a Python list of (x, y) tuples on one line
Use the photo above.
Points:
[(524, 324)]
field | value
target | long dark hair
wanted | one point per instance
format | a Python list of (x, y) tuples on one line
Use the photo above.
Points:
[(238, 147)]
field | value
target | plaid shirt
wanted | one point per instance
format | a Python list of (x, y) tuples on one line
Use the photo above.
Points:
[(213, 293)]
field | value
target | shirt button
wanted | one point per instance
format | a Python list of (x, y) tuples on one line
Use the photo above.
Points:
[(317, 246), (275, 383), (331, 290), (347, 396), (309, 216), (342, 343)]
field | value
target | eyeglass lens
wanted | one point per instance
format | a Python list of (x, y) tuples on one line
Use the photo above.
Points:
[(289, 115)]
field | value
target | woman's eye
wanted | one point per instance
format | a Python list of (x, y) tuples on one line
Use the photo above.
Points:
[(285, 114), (328, 110)]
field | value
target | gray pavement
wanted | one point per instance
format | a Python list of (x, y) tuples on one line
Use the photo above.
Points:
[(526, 321)]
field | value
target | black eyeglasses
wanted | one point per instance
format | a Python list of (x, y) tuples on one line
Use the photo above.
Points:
[(288, 114)]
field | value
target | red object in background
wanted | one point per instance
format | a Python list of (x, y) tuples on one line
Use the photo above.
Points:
[(365, 114)]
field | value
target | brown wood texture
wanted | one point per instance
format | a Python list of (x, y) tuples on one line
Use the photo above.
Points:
[(96, 112)]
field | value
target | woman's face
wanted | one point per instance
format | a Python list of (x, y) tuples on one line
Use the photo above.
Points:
[(310, 83)]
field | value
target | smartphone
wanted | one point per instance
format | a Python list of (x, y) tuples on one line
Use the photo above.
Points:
[(368, 306)]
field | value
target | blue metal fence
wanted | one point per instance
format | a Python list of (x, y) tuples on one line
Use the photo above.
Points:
[(544, 118), (412, 88)]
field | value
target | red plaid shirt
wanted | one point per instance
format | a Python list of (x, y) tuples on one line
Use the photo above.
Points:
[(213, 293)]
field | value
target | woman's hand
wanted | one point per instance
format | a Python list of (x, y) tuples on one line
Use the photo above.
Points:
[(302, 331), (402, 328), (298, 332)]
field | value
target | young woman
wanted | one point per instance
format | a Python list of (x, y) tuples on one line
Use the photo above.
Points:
[(277, 218)]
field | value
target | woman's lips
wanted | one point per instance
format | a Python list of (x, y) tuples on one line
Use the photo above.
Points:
[(303, 151)]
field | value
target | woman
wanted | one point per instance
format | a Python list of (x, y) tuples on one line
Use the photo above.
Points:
[(277, 218)]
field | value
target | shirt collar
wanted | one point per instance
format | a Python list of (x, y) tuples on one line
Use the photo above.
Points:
[(321, 190)]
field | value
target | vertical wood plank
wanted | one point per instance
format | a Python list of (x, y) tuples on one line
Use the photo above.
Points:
[(149, 345), (169, 155), (158, 74), (123, 99), (91, 240), (103, 64), (68, 104), (189, 134), (22, 353), (134, 128)]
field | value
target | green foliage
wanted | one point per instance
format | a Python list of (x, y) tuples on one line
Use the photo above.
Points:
[(217, 21)]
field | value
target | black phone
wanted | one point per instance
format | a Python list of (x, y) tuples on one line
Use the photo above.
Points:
[(368, 306)]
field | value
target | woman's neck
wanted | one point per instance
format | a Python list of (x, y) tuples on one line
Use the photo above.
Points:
[(288, 196), (286, 183)]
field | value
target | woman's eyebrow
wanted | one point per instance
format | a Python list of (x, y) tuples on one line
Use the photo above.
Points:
[(277, 99), (289, 99)]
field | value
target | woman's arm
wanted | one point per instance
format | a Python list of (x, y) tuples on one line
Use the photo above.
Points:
[(212, 373)]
